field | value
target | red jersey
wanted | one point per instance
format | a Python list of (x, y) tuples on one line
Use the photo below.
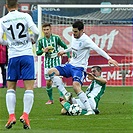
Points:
[(3, 54)]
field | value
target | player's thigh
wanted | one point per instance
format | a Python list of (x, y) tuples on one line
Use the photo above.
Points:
[(13, 70), (80, 103), (78, 74), (92, 102), (53, 71)]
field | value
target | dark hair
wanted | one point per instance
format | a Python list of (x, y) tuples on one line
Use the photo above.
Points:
[(46, 24), (98, 68), (11, 3), (79, 25)]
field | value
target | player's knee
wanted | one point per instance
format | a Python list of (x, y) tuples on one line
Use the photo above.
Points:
[(77, 81), (53, 72)]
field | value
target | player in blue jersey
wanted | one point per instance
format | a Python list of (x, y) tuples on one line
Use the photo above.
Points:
[(16, 26), (81, 45)]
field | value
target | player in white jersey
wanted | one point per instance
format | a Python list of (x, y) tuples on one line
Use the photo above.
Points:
[(94, 92), (16, 26), (80, 48)]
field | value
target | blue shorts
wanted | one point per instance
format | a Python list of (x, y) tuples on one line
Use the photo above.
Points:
[(77, 73), (21, 67)]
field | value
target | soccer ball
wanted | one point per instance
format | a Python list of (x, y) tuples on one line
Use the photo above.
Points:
[(75, 109)]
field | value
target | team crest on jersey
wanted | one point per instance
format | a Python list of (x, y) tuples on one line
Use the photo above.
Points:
[(80, 44)]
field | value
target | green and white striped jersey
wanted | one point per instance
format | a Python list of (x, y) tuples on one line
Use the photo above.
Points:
[(54, 41), (96, 89)]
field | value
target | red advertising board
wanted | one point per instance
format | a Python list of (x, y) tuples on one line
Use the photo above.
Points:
[(115, 40)]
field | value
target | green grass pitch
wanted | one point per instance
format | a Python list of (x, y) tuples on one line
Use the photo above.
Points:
[(116, 114)]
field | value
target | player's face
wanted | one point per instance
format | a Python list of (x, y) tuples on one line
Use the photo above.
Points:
[(76, 33), (47, 31), (95, 72)]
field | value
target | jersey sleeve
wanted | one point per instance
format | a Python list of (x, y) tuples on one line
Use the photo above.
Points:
[(29, 20), (33, 27), (2, 41), (63, 45), (39, 50), (93, 46)]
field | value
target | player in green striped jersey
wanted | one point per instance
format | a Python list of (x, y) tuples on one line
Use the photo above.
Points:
[(50, 45), (94, 92)]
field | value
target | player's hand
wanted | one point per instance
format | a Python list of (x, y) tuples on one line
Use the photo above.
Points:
[(32, 41), (61, 53), (114, 62), (69, 59), (50, 49), (90, 76)]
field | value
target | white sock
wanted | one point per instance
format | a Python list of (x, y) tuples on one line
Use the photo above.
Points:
[(74, 101), (28, 101), (83, 98), (58, 82), (11, 101)]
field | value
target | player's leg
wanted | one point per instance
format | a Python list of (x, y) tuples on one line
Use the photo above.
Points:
[(11, 103), (78, 77), (49, 91), (49, 88), (61, 96), (93, 103), (66, 106), (3, 68), (28, 76), (11, 91), (54, 74)]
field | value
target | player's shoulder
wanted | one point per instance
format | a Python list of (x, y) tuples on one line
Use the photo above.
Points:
[(85, 36), (55, 35), (24, 14)]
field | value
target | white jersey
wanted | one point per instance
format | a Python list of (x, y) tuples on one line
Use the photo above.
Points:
[(81, 51), (16, 24)]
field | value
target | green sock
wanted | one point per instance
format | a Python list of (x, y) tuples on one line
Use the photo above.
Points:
[(66, 105), (83, 112), (60, 93), (49, 92)]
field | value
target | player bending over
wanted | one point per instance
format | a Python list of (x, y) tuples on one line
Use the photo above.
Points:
[(81, 45)]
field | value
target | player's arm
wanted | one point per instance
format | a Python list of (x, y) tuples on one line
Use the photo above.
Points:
[(100, 79), (102, 53), (35, 31), (32, 26), (39, 49), (64, 51), (2, 41)]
